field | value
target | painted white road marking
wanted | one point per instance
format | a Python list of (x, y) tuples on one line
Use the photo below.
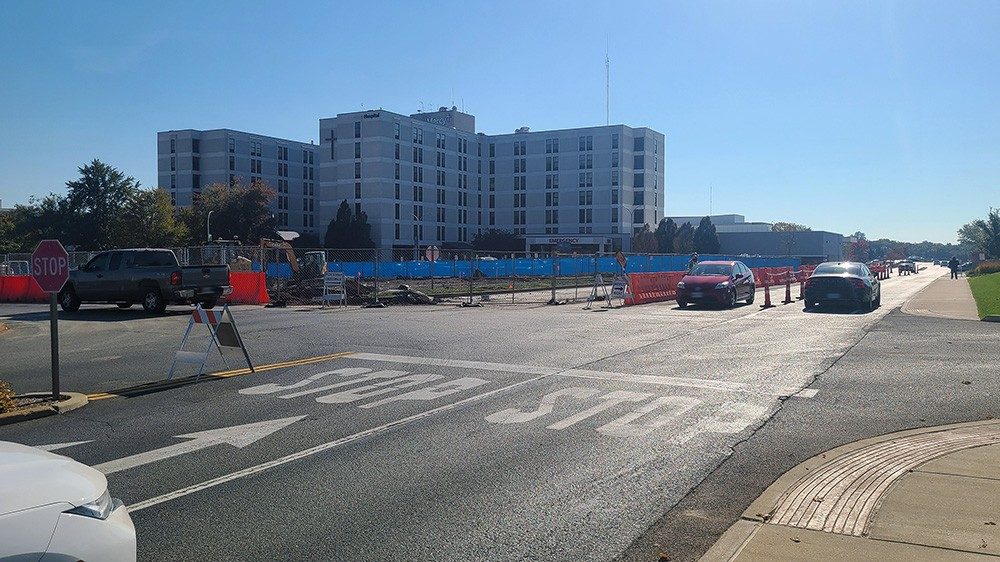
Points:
[(709, 384), (629, 426), (432, 392), (547, 405), (271, 388), (378, 389), (238, 436), (57, 446), (373, 376), (256, 469), (611, 400)]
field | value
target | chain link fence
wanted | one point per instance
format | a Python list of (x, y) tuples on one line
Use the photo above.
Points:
[(406, 275)]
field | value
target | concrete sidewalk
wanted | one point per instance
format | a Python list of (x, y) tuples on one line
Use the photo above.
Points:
[(944, 298), (925, 494)]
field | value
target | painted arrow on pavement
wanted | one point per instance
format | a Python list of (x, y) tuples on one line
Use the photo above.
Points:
[(238, 436)]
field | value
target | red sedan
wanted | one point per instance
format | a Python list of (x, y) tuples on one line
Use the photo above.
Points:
[(720, 282)]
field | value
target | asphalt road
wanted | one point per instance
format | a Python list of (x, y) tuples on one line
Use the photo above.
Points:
[(503, 433)]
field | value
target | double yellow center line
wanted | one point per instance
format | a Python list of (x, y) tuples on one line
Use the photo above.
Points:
[(157, 386)]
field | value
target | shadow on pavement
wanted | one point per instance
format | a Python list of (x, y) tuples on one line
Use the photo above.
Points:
[(830, 309), (99, 314)]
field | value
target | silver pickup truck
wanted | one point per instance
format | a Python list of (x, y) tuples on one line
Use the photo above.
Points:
[(148, 276)]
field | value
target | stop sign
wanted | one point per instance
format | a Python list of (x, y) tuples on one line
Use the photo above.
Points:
[(50, 266)]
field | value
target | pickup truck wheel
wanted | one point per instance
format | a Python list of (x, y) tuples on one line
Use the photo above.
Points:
[(68, 300), (124, 305), (152, 301), (209, 304)]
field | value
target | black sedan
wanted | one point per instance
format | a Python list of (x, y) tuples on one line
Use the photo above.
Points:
[(843, 282)]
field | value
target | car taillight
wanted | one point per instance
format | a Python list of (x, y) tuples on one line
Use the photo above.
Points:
[(858, 283), (175, 278)]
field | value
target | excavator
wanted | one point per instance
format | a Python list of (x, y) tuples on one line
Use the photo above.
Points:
[(306, 281)]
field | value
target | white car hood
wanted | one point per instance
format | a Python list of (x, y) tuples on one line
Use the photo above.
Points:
[(30, 477)]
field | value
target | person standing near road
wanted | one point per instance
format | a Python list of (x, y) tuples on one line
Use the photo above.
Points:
[(953, 266), (692, 262)]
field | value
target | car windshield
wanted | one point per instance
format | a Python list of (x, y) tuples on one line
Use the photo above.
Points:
[(837, 269), (712, 269)]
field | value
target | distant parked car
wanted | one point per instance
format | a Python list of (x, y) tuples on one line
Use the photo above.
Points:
[(54, 508), (907, 265), (843, 283), (967, 266), (720, 282)]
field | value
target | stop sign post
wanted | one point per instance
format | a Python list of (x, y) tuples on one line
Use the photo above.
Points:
[(50, 269)]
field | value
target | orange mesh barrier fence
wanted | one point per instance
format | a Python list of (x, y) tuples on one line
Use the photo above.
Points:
[(249, 287)]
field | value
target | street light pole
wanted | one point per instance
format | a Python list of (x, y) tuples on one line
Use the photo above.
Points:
[(208, 226)]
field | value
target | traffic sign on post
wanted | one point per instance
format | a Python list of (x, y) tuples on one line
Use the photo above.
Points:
[(432, 253), (621, 259), (50, 269), (50, 266)]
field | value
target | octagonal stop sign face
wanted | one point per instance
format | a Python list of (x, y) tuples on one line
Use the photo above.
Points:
[(50, 265)]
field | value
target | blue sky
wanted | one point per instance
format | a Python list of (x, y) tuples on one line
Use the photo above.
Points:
[(872, 116)]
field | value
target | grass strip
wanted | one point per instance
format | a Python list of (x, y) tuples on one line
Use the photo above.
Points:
[(986, 290)]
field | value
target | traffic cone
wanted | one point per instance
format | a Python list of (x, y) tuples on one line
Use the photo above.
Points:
[(767, 291), (788, 287)]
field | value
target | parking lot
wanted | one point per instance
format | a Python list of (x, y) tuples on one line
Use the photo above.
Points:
[(427, 433)]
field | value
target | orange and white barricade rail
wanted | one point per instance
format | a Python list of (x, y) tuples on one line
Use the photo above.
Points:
[(222, 333)]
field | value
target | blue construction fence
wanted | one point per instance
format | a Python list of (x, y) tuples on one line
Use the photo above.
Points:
[(523, 267)]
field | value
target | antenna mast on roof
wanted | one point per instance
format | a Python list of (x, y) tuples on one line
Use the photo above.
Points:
[(607, 83)]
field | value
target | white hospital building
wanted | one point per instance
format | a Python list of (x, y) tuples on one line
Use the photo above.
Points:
[(430, 179)]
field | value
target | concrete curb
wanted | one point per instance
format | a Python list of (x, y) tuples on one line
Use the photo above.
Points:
[(70, 401), (733, 541), (991, 318)]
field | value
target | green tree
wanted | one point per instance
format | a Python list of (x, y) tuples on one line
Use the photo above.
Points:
[(94, 202), (789, 227), (347, 231), (859, 250), (983, 235), (497, 240), (361, 231), (684, 241), (148, 220), (238, 211), (665, 233), (41, 219), (644, 242), (706, 239), (8, 243)]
